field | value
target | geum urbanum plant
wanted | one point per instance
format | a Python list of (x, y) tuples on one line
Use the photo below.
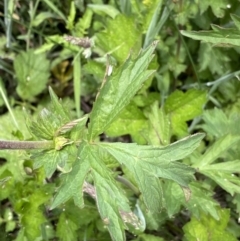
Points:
[(71, 146)]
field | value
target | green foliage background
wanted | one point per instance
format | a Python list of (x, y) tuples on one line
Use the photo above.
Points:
[(134, 173)]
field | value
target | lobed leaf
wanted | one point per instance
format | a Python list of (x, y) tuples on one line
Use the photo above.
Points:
[(213, 152), (228, 181), (148, 163), (201, 200), (110, 200), (218, 124), (74, 180), (118, 90)]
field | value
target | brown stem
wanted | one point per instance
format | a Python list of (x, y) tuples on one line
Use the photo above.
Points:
[(24, 145)]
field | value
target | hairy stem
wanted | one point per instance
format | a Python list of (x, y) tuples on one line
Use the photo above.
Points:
[(19, 145)]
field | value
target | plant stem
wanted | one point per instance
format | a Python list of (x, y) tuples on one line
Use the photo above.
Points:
[(24, 145), (128, 184)]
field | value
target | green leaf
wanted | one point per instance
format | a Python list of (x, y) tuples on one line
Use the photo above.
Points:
[(219, 36), (32, 216), (118, 90), (216, 6), (32, 73), (110, 199), (71, 16), (184, 107), (42, 16), (159, 126), (216, 150), (104, 8), (50, 120), (83, 23), (148, 163), (213, 59), (209, 229), (66, 228), (73, 181), (51, 159), (130, 121), (120, 36), (221, 173), (7, 127), (227, 181), (200, 201), (218, 124)]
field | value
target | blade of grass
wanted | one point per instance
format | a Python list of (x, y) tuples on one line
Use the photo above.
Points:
[(6, 67), (214, 85), (217, 82), (32, 12), (156, 24), (7, 104), (77, 82), (55, 9), (125, 6), (188, 53), (8, 10)]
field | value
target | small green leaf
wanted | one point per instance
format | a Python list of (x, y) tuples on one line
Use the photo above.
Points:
[(58, 107), (118, 90), (71, 16), (216, 6), (51, 159), (50, 120), (159, 126), (32, 73), (209, 229), (66, 228), (201, 200), (120, 36), (32, 216), (212, 59), (218, 124), (83, 23), (183, 107), (228, 181), (216, 150), (130, 121)]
